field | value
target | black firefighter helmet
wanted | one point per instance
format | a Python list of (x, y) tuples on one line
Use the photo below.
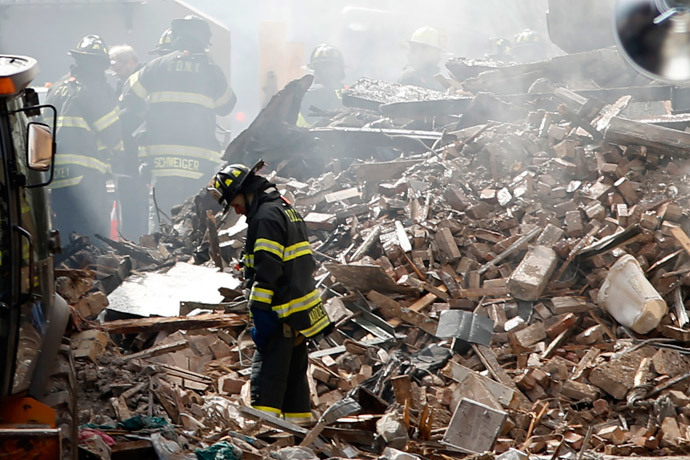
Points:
[(91, 49), (227, 183), (165, 43), (191, 28)]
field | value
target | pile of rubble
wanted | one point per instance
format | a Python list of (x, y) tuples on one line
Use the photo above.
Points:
[(474, 278)]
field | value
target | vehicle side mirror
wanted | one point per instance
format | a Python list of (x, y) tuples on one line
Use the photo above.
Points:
[(39, 146)]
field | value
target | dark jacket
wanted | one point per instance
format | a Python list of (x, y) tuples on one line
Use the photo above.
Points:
[(279, 265), (88, 128), (323, 98), (424, 78), (178, 97)]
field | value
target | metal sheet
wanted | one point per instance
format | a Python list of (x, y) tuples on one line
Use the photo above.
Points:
[(465, 326), (474, 426), (369, 321), (160, 294)]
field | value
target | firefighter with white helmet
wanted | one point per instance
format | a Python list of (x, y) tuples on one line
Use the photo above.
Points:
[(425, 50), (325, 94)]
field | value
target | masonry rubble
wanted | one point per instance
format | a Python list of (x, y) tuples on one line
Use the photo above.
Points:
[(462, 267)]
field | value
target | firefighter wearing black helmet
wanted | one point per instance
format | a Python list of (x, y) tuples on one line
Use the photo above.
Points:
[(284, 303), (325, 94), (177, 97), (90, 140), (164, 45)]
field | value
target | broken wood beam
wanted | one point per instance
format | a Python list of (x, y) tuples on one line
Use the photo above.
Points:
[(628, 132), (214, 248), (682, 238), (368, 242), (392, 309), (158, 350), (510, 250), (130, 250), (488, 358), (174, 323), (403, 239)]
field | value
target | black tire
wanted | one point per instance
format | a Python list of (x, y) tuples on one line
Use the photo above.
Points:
[(61, 395)]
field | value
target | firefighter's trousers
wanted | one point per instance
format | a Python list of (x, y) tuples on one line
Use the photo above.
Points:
[(279, 376)]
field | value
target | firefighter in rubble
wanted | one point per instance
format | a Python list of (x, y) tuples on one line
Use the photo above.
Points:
[(325, 93), (498, 49), (164, 45), (529, 46), (425, 50), (90, 142), (285, 305), (180, 94)]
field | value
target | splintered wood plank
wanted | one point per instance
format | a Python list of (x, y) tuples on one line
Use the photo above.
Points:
[(342, 195), (159, 391), (613, 110), (158, 350), (404, 241), (488, 358), (481, 292), (402, 388), (365, 278), (555, 343), (450, 283), (140, 449), (623, 131), (682, 238), (424, 302), (174, 323), (392, 309), (503, 394), (427, 300), (586, 360), (516, 246), (368, 242)]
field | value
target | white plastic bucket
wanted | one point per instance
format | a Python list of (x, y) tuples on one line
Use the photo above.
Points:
[(630, 298)]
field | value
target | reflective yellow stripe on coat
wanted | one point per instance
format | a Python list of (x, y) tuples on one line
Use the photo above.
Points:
[(248, 260), (64, 121), (176, 173), (107, 120), (284, 253), (62, 183), (261, 295), (264, 244), (63, 159), (182, 97), (180, 150), (136, 85), (297, 250), (225, 98), (316, 328), (300, 304)]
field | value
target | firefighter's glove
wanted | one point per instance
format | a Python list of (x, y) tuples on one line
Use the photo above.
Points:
[(265, 325)]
